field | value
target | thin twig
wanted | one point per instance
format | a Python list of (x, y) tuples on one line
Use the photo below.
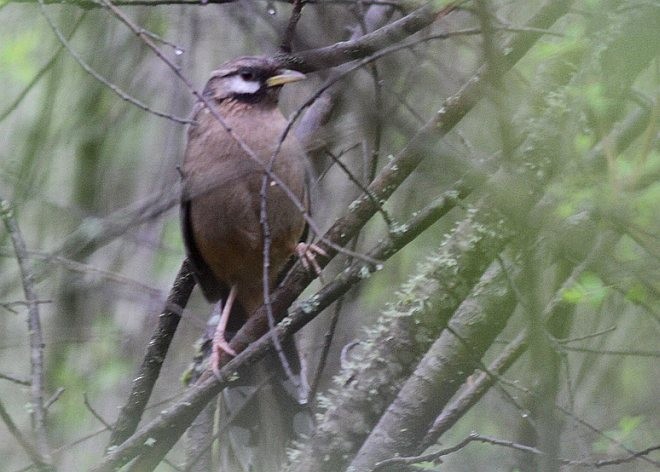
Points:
[(29, 449), (94, 413), (54, 397), (474, 437), (609, 352), (327, 343), (92, 4), (287, 39), (266, 285), (14, 379), (588, 336), (386, 217), (34, 330), (87, 68), (41, 73), (9, 306), (216, 115)]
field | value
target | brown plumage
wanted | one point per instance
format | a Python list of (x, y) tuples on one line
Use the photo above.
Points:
[(221, 202)]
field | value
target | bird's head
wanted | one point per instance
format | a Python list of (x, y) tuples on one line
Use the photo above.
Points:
[(255, 80)]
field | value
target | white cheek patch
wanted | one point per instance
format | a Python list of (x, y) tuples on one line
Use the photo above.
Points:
[(239, 85)]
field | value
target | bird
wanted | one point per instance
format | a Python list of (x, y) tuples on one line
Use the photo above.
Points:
[(222, 175)]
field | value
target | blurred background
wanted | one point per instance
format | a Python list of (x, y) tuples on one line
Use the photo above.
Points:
[(76, 159)]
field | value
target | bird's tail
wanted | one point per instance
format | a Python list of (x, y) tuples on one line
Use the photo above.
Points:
[(259, 419)]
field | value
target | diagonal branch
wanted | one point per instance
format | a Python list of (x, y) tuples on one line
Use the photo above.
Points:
[(346, 51), (442, 370), (171, 423), (25, 444), (132, 411)]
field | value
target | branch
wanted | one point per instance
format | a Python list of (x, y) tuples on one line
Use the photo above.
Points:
[(34, 330), (92, 4), (34, 455), (171, 423), (285, 45), (474, 437), (131, 412), (87, 68), (475, 390), (97, 232), (442, 370), (39, 74), (342, 231), (346, 51), (14, 379)]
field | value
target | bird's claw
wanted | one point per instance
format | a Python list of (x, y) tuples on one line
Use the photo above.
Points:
[(219, 346), (307, 254)]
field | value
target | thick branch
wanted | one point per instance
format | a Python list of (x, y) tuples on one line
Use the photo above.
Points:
[(345, 51), (474, 391), (405, 331), (132, 411), (180, 415), (444, 368), (172, 423)]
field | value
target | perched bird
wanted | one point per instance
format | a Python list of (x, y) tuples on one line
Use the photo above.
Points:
[(221, 204)]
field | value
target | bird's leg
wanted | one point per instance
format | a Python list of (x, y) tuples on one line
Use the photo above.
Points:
[(307, 253), (219, 342)]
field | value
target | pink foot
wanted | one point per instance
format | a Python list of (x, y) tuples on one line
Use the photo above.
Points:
[(220, 344), (307, 254)]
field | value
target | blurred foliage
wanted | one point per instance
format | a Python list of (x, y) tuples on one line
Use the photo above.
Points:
[(72, 152)]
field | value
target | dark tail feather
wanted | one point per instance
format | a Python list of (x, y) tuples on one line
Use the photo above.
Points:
[(261, 418)]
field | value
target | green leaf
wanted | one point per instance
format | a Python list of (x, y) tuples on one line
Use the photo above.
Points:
[(626, 427), (637, 294), (589, 289), (17, 55)]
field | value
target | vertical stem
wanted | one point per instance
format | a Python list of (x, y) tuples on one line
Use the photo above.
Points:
[(38, 412)]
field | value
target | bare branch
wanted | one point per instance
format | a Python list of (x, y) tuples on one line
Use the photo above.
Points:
[(474, 437), (171, 423), (40, 73), (441, 371), (285, 45), (366, 45), (29, 449), (131, 412), (14, 379), (91, 4), (87, 68), (54, 397), (34, 330), (94, 413)]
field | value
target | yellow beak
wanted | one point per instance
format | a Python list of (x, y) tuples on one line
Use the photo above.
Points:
[(285, 76)]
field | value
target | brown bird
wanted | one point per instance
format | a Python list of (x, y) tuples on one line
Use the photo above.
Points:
[(221, 204)]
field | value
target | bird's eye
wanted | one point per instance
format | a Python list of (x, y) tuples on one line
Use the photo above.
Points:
[(248, 76)]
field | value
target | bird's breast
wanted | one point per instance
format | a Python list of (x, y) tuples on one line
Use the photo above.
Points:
[(223, 182)]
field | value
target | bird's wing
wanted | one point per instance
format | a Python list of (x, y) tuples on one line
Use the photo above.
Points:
[(212, 289)]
